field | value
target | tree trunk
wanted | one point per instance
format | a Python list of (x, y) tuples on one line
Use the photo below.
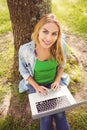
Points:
[(24, 15)]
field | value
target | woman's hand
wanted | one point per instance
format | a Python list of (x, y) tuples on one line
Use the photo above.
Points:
[(42, 90), (37, 87), (55, 86)]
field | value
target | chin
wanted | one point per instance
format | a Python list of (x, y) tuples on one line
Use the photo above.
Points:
[(46, 46)]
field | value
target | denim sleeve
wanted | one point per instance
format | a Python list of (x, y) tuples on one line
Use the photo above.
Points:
[(64, 46), (23, 65), (64, 49)]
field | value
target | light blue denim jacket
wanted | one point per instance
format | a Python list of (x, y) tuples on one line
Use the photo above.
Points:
[(27, 60)]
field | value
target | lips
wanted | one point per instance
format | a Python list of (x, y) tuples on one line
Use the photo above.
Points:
[(47, 43)]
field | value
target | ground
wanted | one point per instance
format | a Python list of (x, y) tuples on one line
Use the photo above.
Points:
[(80, 49)]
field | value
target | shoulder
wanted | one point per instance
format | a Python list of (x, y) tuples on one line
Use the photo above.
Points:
[(28, 45), (26, 52)]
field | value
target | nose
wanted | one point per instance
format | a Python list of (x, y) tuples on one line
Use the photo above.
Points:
[(48, 37)]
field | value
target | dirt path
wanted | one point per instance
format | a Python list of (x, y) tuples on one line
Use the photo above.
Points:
[(80, 49)]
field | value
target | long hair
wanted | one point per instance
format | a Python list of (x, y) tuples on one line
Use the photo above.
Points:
[(56, 49)]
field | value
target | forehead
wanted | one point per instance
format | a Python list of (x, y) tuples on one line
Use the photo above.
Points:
[(50, 27)]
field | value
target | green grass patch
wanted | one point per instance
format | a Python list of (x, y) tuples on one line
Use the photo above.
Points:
[(75, 72), (5, 23), (2, 93), (21, 97), (6, 62), (78, 118), (72, 14), (12, 123), (6, 57), (4, 89), (72, 66)]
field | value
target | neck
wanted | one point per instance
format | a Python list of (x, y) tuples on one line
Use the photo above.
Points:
[(43, 53)]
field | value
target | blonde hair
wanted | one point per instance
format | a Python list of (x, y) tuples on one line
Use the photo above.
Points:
[(56, 49)]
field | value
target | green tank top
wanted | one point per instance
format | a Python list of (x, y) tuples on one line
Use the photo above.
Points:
[(45, 71)]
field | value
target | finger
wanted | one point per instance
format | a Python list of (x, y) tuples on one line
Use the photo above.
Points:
[(52, 86), (43, 91), (57, 87)]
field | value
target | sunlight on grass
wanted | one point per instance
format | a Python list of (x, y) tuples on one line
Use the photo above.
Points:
[(72, 14), (6, 58), (75, 73), (6, 62), (11, 123), (5, 98), (78, 118), (72, 66), (2, 93), (5, 23)]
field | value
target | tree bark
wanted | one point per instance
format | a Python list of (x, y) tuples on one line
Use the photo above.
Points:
[(24, 15)]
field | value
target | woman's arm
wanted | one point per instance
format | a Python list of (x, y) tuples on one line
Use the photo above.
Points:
[(55, 85), (22, 64), (59, 74), (37, 87)]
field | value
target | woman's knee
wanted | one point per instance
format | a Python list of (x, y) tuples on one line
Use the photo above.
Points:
[(60, 115), (46, 123), (46, 119)]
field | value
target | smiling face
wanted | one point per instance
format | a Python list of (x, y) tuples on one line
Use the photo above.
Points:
[(48, 35)]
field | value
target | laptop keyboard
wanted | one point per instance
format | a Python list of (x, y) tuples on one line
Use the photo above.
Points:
[(54, 103)]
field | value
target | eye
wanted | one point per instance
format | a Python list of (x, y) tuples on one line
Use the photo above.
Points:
[(45, 32), (54, 34)]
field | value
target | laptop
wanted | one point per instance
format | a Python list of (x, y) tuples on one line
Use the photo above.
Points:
[(54, 102)]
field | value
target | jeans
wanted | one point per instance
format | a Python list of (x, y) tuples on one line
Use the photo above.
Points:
[(46, 123)]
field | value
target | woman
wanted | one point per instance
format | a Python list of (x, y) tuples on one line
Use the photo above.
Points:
[(41, 64)]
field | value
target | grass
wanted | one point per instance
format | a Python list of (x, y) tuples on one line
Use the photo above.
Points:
[(72, 66), (12, 121), (72, 14), (2, 93), (6, 61), (5, 24), (78, 118), (6, 49)]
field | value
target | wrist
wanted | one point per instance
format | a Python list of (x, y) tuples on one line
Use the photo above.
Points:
[(57, 80)]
